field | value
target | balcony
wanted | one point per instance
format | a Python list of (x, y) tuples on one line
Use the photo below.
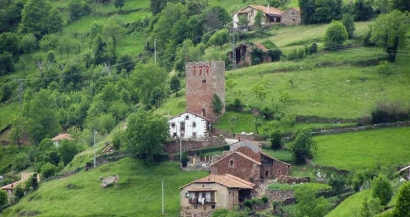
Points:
[(195, 200)]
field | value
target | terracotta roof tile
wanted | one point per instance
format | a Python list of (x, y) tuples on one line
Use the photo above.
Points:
[(264, 9), (227, 180), (62, 136)]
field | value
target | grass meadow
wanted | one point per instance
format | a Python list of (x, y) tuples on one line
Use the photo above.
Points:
[(137, 193), (365, 149)]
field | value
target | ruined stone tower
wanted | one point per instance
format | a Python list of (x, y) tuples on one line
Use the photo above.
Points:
[(203, 79)]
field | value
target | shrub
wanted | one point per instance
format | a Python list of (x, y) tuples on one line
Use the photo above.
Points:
[(276, 140), (48, 170), (248, 203), (184, 159), (19, 192), (384, 68), (389, 112), (382, 189), (313, 48), (335, 35), (21, 161), (6, 91), (264, 199), (3, 198), (116, 141), (403, 201)]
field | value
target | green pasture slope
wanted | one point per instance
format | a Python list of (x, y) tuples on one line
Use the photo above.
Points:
[(138, 192), (366, 149)]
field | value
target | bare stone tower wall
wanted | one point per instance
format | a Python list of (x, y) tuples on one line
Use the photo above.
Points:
[(203, 79)]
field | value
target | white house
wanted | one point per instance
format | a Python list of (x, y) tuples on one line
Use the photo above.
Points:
[(188, 125), (272, 15)]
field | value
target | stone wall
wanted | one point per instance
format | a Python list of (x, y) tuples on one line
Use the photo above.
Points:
[(172, 146), (203, 79), (291, 17), (237, 165), (227, 134), (362, 128), (292, 179)]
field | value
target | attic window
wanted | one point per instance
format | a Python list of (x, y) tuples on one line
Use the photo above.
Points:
[(231, 164), (204, 81), (187, 117)]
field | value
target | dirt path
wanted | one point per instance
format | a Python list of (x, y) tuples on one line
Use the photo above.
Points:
[(24, 177)]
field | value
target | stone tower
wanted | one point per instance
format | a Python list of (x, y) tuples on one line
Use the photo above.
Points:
[(203, 79)]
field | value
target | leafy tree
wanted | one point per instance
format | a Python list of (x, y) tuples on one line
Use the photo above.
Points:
[(348, 23), (145, 135), (49, 42), (188, 53), (402, 5), (119, 4), (10, 15), (147, 76), (389, 32), (48, 170), (21, 161), (100, 50), (113, 30), (335, 35), (219, 38), (371, 207), (230, 83), (9, 42), (28, 43), (35, 17), (175, 85), (3, 198), (338, 184), (67, 150), (259, 19), (125, 62), (302, 146), (96, 28), (217, 104), (43, 115), (403, 201), (382, 189), (363, 10), (259, 90), (18, 192), (308, 204), (55, 21), (19, 128), (47, 152), (77, 8), (116, 140), (6, 64), (276, 140), (243, 21), (184, 159), (216, 17), (156, 6), (307, 10)]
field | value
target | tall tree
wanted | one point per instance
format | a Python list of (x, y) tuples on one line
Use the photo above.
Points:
[(9, 42), (403, 5), (147, 76), (35, 16), (145, 135), (348, 22), (403, 201), (119, 4), (307, 10), (217, 104), (219, 38), (389, 31), (113, 30), (259, 19), (175, 85), (302, 146), (43, 116), (382, 189), (55, 21), (335, 35), (308, 204)]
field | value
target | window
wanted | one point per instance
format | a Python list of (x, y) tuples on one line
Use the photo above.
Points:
[(187, 117), (231, 164), (204, 81), (213, 206), (194, 134), (194, 124), (173, 125)]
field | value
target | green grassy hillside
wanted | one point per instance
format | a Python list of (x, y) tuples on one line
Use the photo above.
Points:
[(364, 149), (137, 193)]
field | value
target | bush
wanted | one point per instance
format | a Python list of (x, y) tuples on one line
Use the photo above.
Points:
[(184, 159), (382, 189), (265, 199), (116, 141), (48, 170), (389, 112), (403, 201), (3, 198), (276, 140), (313, 48), (19, 192), (22, 161), (384, 68), (6, 91), (335, 35), (248, 203)]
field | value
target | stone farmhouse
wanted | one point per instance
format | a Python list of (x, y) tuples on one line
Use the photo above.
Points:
[(246, 161), (272, 15), (188, 125), (201, 196)]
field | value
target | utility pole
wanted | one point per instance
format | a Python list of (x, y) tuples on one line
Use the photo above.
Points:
[(155, 50), (95, 132), (180, 151), (163, 197)]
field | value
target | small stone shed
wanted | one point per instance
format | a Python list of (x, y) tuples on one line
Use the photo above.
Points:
[(291, 17)]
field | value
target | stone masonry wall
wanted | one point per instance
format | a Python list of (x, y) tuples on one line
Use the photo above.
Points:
[(203, 79), (188, 145), (242, 168), (291, 17)]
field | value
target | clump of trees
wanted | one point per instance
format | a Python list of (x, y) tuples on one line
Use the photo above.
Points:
[(303, 146)]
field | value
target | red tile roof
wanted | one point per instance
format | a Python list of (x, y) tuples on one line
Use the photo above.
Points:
[(227, 180), (62, 136), (264, 9)]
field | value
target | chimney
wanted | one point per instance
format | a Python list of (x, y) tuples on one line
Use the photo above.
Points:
[(268, 9)]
